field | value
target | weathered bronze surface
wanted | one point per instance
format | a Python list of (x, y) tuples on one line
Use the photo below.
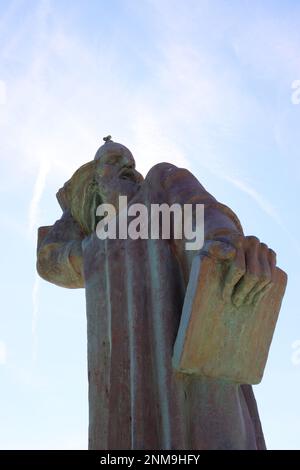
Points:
[(135, 293)]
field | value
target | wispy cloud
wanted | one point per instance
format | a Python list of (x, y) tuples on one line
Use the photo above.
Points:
[(37, 194), (260, 200), (263, 203)]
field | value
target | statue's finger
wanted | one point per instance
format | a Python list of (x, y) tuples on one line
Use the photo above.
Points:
[(235, 272), (251, 276), (251, 247), (264, 273), (256, 289), (272, 263), (271, 255), (259, 296)]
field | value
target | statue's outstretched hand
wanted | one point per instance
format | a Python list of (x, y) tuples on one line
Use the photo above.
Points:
[(250, 267)]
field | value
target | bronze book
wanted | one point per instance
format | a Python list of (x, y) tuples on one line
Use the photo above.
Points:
[(218, 340)]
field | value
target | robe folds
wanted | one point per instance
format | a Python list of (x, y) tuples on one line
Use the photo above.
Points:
[(135, 291)]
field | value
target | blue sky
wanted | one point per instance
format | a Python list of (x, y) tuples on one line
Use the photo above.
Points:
[(202, 84)]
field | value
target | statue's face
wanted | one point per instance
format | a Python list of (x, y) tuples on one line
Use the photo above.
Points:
[(100, 181), (116, 176)]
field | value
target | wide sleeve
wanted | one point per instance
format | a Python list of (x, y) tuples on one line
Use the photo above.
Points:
[(59, 253)]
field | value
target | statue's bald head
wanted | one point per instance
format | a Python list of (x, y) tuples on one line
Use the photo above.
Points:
[(113, 152)]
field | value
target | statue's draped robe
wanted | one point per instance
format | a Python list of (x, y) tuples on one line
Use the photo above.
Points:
[(134, 295)]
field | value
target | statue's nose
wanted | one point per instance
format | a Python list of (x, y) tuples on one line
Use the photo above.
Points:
[(127, 160)]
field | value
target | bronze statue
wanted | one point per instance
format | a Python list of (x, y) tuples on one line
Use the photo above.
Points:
[(143, 392)]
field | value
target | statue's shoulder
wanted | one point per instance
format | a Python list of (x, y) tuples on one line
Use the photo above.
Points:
[(165, 173), (177, 184)]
